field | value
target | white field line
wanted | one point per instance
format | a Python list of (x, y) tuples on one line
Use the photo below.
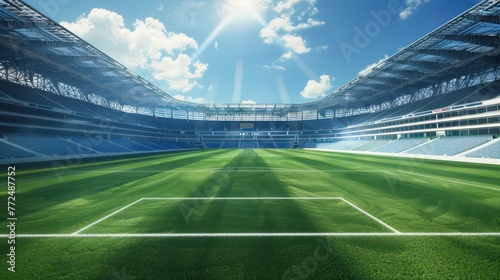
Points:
[(371, 216), (448, 180), (260, 156), (233, 170), (104, 218), (241, 198), (281, 198), (201, 198), (260, 234), (246, 198)]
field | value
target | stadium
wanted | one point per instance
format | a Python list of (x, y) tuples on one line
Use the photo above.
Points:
[(393, 175)]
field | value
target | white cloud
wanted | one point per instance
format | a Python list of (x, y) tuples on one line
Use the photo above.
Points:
[(285, 5), (216, 45), (148, 45), (283, 25), (286, 56), (178, 72), (189, 98), (270, 32), (160, 6), (292, 16), (368, 68), (248, 102), (316, 89), (276, 67), (296, 43), (320, 48), (411, 7)]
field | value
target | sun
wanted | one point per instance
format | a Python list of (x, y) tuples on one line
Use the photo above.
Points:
[(243, 10)]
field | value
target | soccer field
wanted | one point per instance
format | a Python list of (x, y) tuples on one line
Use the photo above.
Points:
[(255, 214)]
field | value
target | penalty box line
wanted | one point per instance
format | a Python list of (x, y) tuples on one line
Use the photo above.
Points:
[(105, 217), (241, 198), (281, 234)]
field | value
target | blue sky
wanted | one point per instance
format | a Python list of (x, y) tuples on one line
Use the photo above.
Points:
[(246, 51)]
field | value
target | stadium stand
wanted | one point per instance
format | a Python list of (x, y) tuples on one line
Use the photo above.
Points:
[(400, 145), (449, 146), (340, 145), (9, 151), (431, 103), (283, 145), (266, 144), (371, 145), (248, 144), (230, 145), (409, 97), (490, 151), (180, 145), (99, 145), (131, 145), (213, 145), (49, 146)]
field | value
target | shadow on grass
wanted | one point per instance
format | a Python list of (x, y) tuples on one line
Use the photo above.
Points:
[(240, 258), (92, 186), (421, 194)]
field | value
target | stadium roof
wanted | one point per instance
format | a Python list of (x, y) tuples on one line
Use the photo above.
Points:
[(467, 45)]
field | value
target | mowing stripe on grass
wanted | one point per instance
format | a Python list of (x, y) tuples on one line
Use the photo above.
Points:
[(104, 218), (33, 179), (448, 180), (281, 234)]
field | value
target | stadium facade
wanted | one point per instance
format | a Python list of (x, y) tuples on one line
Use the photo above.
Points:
[(61, 96)]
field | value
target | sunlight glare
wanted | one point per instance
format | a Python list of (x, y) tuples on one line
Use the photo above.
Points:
[(243, 10)]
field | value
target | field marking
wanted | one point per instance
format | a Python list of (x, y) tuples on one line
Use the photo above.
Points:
[(262, 234), (235, 170), (244, 198), (105, 217), (448, 180), (282, 198), (247, 198), (371, 216), (260, 156)]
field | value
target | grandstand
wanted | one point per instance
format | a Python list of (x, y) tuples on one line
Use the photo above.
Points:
[(62, 98), (444, 85)]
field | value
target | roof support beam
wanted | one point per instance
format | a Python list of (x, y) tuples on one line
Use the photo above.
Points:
[(482, 40), (388, 80), (72, 58), (54, 44), (426, 65), (11, 24), (454, 54), (483, 18), (404, 73), (95, 70), (111, 79)]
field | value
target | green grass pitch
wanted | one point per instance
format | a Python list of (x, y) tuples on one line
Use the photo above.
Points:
[(255, 214)]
